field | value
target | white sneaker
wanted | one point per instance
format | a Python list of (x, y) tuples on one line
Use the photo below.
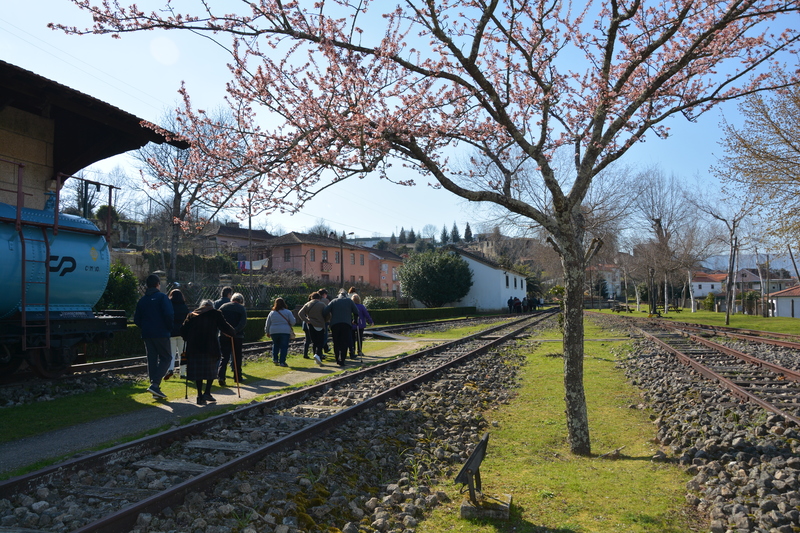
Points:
[(318, 360)]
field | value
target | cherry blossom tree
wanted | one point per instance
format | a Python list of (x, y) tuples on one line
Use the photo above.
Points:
[(330, 89)]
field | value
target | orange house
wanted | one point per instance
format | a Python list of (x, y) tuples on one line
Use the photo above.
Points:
[(334, 261)]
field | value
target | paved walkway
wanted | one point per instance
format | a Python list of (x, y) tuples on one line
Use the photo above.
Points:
[(107, 431)]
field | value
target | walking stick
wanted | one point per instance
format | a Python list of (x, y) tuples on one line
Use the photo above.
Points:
[(185, 375), (361, 346), (235, 369)]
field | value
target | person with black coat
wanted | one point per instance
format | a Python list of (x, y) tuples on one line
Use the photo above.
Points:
[(236, 315), (153, 315), (200, 331), (343, 314)]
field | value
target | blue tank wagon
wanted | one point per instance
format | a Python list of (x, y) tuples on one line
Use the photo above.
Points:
[(55, 268)]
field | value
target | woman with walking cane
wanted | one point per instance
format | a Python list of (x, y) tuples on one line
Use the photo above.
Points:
[(200, 331), (358, 328)]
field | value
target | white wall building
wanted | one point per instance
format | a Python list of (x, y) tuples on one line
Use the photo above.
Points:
[(492, 285), (786, 302), (703, 284)]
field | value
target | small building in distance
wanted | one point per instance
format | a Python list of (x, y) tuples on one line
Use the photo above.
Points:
[(334, 261), (704, 283), (786, 302), (748, 279), (231, 239), (492, 285)]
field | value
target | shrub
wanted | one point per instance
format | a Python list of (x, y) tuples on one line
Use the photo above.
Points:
[(380, 302), (122, 290), (435, 277), (709, 302)]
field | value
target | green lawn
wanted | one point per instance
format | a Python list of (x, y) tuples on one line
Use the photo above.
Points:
[(554, 491), (457, 333), (776, 324)]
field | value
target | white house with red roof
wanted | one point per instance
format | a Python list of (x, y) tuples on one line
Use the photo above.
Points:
[(786, 302), (704, 283)]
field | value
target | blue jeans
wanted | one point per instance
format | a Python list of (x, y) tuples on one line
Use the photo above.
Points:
[(158, 358), (280, 346)]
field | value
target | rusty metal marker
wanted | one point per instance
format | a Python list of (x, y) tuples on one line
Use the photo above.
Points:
[(480, 505)]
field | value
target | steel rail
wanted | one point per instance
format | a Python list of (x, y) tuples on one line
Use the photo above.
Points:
[(750, 335), (125, 519), (788, 373), (736, 390)]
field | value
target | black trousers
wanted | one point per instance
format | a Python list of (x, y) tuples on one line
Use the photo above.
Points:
[(341, 341), (225, 348)]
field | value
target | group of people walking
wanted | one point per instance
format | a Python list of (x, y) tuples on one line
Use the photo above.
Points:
[(515, 305), (211, 336), (345, 317)]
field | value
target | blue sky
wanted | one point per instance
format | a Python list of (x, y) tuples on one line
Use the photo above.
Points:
[(142, 72)]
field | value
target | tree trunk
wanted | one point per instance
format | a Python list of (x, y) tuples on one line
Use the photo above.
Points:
[(729, 290), (175, 234), (577, 417)]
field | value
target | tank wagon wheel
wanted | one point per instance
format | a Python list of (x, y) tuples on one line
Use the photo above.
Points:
[(8, 363), (48, 363)]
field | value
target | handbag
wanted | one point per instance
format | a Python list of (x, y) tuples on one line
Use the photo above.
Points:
[(292, 335)]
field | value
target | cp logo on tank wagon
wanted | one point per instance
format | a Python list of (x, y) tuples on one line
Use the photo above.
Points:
[(65, 266)]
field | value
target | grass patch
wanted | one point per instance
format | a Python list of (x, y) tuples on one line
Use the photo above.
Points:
[(778, 324), (456, 333), (555, 491)]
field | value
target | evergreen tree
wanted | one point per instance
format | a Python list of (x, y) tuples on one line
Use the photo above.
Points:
[(435, 277), (445, 236), (382, 245), (392, 239), (412, 237), (402, 238), (455, 236), (467, 233)]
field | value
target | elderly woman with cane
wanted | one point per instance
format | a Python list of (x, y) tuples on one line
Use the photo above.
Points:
[(200, 330)]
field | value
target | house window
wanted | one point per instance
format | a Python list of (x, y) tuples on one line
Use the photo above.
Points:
[(394, 274), (352, 259), (384, 267), (287, 255), (506, 281), (515, 283), (312, 255), (324, 256), (361, 279), (352, 279), (326, 278), (361, 260), (699, 286), (336, 258), (712, 286)]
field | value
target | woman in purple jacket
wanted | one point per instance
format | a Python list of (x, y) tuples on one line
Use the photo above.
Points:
[(358, 329)]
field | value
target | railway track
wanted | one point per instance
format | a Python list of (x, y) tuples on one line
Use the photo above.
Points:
[(748, 378), (250, 350), (93, 483), (785, 340)]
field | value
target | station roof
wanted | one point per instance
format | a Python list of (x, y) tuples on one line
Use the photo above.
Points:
[(87, 130)]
